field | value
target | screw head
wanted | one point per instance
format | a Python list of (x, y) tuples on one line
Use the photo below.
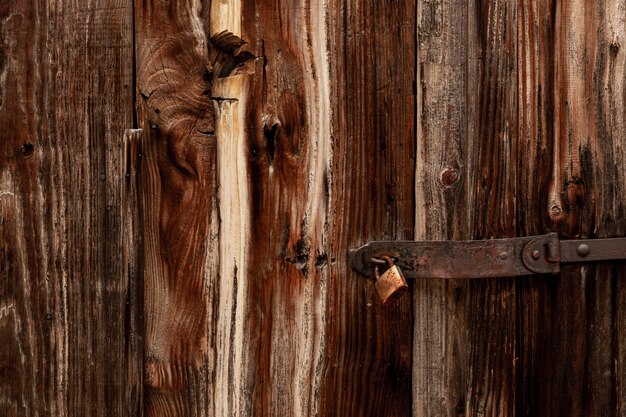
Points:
[(504, 255), (536, 254), (583, 250)]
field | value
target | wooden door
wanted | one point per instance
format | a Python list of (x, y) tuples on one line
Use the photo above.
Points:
[(520, 132), (176, 206)]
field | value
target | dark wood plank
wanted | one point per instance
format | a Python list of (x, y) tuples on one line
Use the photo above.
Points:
[(467, 171), (494, 184), (178, 198), (132, 267), (65, 100), (573, 327), (372, 66)]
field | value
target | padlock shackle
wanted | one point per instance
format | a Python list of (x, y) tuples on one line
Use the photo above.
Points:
[(383, 260), (389, 260), (378, 261)]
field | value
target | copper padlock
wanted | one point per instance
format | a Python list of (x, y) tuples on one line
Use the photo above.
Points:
[(391, 284)]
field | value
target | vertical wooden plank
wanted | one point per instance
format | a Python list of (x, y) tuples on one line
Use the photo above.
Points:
[(178, 203), (234, 366), (288, 149), (132, 268), (494, 185), (469, 187), (65, 101), (538, 332), (234, 372), (372, 55), (318, 139), (573, 330), (441, 342)]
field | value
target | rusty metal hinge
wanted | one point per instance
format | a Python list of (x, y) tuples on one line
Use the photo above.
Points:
[(486, 258)]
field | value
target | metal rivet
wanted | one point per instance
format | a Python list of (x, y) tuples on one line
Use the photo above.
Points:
[(536, 254), (504, 255), (583, 250)]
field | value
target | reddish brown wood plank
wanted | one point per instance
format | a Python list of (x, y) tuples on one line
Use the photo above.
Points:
[(178, 198), (329, 144), (288, 149), (66, 346)]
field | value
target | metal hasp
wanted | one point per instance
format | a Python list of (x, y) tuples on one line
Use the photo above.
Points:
[(486, 258)]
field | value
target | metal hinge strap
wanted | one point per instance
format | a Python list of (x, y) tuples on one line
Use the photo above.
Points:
[(486, 258)]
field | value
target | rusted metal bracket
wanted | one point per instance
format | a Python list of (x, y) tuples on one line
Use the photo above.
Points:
[(542, 254)]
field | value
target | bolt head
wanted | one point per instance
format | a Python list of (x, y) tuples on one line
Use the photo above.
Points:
[(583, 250), (536, 254)]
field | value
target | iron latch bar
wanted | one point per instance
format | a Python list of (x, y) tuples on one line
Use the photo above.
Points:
[(511, 257)]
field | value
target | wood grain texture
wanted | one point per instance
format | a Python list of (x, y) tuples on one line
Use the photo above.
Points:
[(540, 143), (178, 203), (441, 339), (466, 174), (66, 336), (174, 236), (573, 328), (132, 266), (234, 366), (494, 183), (233, 373), (288, 149), (372, 59), (313, 117)]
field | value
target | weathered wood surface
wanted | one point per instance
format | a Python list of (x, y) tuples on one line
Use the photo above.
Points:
[(527, 99), (67, 317), (181, 249), (178, 204), (572, 329), (371, 52), (441, 340), (290, 330), (308, 153)]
